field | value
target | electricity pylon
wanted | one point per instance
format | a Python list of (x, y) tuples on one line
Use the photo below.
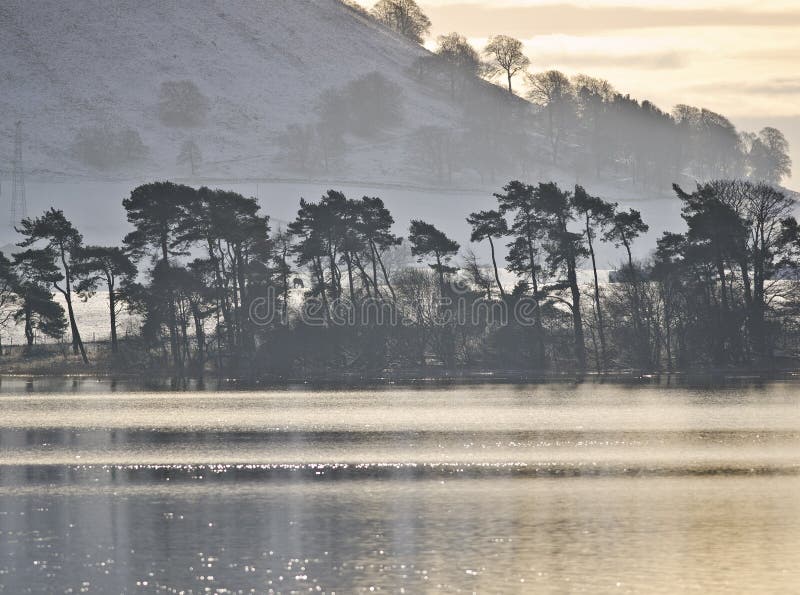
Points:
[(19, 207)]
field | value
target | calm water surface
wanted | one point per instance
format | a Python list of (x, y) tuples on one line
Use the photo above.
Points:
[(480, 488)]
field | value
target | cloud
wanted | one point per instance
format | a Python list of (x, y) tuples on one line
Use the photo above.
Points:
[(580, 60), (475, 20), (775, 86)]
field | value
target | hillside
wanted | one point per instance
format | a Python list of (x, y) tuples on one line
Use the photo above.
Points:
[(72, 70), (87, 79)]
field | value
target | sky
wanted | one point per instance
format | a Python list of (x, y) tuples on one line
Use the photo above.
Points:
[(736, 57)]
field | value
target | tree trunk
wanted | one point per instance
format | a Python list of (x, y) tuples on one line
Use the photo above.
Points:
[(350, 278), (577, 322), (374, 260), (577, 319), (496, 272), (77, 343), (540, 355), (285, 280), (336, 286), (386, 277), (172, 322), (667, 323), (598, 309), (112, 306), (200, 336), (28, 326)]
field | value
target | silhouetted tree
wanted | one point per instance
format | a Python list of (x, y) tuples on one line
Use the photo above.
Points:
[(9, 300), (282, 243), (565, 249), (593, 102), (506, 56), (64, 243), (527, 233), (717, 236), (157, 211), (460, 60), (109, 265), (403, 16), (375, 224), (553, 91), (720, 151), (235, 236), (670, 272), (35, 271), (427, 241), (487, 225), (597, 214), (624, 228), (769, 156)]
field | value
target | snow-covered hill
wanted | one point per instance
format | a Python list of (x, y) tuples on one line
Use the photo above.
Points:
[(70, 68)]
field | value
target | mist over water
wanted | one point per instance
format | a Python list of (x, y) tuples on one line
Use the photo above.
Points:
[(557, 487)]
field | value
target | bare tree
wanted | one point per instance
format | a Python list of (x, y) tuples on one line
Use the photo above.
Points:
[(9, 301), (763, 209), (190, 153), (506, 57), (553, 91), (403, 16), (593, 99), (477, 273), (460, 60)]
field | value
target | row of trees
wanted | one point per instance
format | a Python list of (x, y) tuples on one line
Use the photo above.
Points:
[(213, 285), (505, 55), (56, 259), (594, 130), (578, 124)]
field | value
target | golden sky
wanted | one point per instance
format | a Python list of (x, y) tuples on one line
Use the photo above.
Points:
[(738, 57), (734, 56)]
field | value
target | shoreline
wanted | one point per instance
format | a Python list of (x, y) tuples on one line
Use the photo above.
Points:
[(410, 378), (128, 368)]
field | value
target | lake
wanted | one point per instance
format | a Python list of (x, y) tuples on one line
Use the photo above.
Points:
[(107, 488)]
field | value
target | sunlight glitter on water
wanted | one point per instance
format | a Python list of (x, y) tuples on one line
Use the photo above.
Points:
[(467, 488)]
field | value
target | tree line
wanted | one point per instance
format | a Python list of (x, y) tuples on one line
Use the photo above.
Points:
[(578, 124), (216, 289), (590, 128)]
